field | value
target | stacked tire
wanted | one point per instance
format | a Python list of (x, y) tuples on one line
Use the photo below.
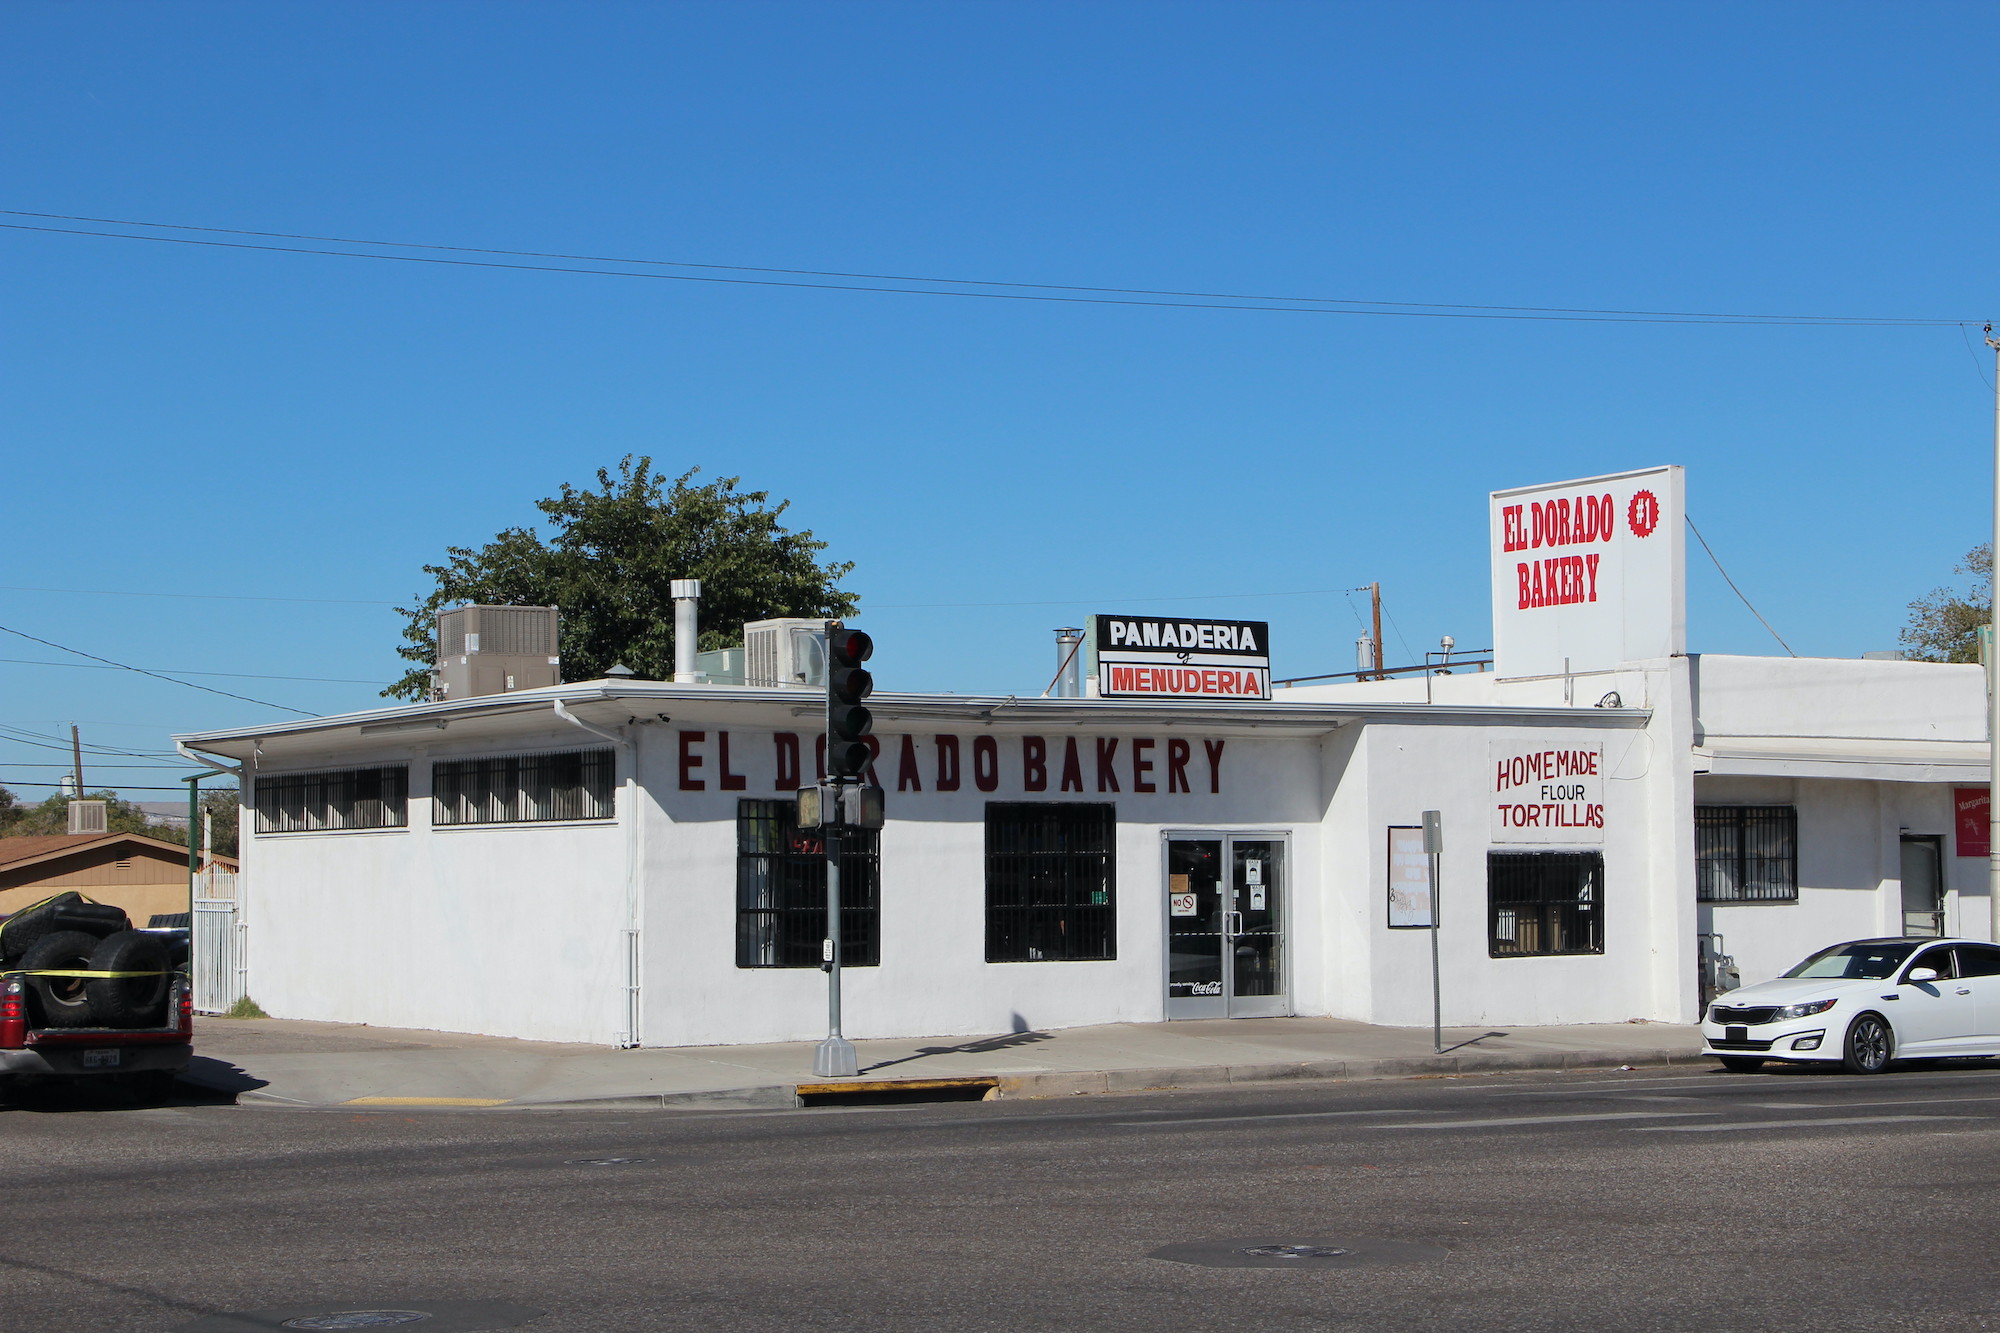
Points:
[(70, 933)]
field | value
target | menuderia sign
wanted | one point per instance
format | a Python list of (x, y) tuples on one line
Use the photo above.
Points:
[(1588, 574), (1158, 657)]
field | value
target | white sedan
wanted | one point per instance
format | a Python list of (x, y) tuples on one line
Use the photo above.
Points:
[(1864, 1004)]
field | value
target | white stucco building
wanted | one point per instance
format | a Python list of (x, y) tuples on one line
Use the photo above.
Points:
[(614, 861)]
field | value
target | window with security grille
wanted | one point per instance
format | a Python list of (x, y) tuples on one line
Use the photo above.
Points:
[(1544, 903), (523, 788), (781, 890), (1746, 853), (327, 802), (1051, 882)]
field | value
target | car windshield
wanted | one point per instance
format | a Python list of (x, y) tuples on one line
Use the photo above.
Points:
[(1869, 962)]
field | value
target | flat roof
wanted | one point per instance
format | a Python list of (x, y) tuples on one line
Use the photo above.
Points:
[(605, 703)]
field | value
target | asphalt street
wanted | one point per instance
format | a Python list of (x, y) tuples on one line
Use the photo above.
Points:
[(1632, 1200)]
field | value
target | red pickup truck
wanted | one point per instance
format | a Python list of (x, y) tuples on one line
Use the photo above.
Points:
[(83, 996)]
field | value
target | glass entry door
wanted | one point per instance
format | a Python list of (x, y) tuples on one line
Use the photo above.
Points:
[(1226, 927)]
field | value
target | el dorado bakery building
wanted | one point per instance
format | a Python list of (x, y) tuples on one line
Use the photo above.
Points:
[(616, 861)]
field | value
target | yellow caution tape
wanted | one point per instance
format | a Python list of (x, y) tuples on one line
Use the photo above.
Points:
[(73, 972)]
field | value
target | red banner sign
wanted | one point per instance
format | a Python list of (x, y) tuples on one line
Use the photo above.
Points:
[(1969, 807)]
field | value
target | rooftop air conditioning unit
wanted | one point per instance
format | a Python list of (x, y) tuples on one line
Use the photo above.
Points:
[(785, 653), (88, 817), (496, 649)]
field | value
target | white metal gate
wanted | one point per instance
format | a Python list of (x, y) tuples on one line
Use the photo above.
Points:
[(217, 940)]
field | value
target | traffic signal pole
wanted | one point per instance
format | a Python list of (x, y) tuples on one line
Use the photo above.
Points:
[(848, 755), (1993, 676), (835, 1057)]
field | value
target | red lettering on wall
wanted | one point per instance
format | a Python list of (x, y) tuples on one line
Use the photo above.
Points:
[(1107, 756), (690, 761), (1141, 767), (906, 767), (1034, 763), (947, 768), (985, 763), (786, 743), (724, 779), (1072, 774), (1177, 762), (1214, 749)]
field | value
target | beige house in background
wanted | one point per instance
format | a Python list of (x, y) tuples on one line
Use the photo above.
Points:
[(145, 876)]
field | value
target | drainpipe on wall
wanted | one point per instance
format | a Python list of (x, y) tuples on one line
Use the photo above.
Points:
[(630, 816), (687, 631)]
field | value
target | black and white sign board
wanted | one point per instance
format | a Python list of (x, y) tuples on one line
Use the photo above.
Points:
[(1138, 657)]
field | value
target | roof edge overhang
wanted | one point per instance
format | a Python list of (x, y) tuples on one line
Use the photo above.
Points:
[(647, 699)]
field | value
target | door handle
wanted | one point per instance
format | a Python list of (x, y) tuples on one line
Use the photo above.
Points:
[(1232, 923), (1962, 990)]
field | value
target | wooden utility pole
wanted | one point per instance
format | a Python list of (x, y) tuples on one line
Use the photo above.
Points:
[(1375, 605), (76, 759)]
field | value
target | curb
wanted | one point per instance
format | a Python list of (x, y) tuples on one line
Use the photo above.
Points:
[(1435, 1066), (786, 1096)]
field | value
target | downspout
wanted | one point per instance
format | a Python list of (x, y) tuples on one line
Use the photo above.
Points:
[(630, 1036)]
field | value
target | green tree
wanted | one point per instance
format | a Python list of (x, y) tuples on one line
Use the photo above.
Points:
[(1944, 623), (609, 562), (120, 816)]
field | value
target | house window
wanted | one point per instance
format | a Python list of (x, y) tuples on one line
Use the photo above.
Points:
[(1051, 879), (351, 798), (781, 890), (1542, 903), (1746, 853), (523, 788)]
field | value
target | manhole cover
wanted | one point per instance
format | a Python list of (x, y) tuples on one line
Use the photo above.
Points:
[(608, 1161), (424, 1316), (1292, 1252)]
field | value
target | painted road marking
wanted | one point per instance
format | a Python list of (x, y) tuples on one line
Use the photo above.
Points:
[(1282, 1115), (1506, 1121), (1843, 1106), (1801, 1124), (425, 1101)]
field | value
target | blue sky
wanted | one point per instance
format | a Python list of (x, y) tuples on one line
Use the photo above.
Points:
[(251, 425)]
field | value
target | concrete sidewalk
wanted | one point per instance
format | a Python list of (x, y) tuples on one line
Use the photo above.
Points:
[(291, 1062)]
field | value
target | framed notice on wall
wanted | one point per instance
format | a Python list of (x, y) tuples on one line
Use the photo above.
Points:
[(1410, 906)]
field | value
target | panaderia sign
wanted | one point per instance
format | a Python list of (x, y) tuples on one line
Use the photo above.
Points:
[(1151, 657), (1588, 574), (1548, 793)]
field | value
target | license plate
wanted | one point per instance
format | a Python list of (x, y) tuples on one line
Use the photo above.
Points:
[(101, 1059)]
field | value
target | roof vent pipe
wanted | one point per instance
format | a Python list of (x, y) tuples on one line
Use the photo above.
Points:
[(687, 633), (1069, 664)]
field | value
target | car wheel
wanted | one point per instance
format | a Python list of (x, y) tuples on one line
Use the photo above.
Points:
[(1870, 1044), (1743, 1064)]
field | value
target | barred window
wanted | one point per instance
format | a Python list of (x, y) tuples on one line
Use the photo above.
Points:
[(1746, 853), (1542, 903), (349, 798), (1051, 879), (522, 788), (781, 890)]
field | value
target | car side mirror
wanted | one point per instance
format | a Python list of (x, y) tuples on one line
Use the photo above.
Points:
[(1918, 974)]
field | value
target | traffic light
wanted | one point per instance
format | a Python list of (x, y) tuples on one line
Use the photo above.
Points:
[(847, 721)]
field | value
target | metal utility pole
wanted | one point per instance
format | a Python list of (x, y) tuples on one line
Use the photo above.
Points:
[(1375, 630), (76, 758), (1433, 848), (834, 1057), (1993, 696)]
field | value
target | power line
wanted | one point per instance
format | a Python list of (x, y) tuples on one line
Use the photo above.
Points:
[(46, 742), (233, 675), (197, 596), (206, 689), (1304, 306), (1096, 601), (1733, 588), (123, 786)]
